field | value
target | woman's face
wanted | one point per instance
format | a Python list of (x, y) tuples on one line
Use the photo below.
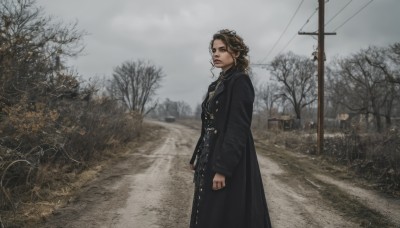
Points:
[(221, 56)]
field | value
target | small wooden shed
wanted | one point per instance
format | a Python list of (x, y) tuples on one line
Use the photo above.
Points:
[(284, 122)]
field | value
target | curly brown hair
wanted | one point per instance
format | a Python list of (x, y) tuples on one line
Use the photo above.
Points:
[(234, 44)]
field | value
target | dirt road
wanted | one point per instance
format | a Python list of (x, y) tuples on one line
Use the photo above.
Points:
[(153, 188)]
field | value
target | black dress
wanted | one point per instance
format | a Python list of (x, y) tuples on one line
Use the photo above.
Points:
[(203, 153), (226, 146)]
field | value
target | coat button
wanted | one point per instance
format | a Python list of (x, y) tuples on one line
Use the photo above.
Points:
[(215, 132), (216, 102), (216, 110)]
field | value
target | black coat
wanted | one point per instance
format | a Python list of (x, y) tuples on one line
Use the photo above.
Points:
[(242, 203)]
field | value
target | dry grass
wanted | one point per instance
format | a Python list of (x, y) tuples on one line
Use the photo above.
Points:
[(64, 182), (373, 157), (48, 143), (304, 168)]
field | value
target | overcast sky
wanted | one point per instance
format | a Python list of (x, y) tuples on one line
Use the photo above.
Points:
[(175, 34)]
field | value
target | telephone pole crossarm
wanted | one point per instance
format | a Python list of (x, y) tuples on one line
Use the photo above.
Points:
[(316, 33)]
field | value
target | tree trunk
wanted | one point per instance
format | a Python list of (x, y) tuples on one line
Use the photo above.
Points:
[(378, 122), (388, 121)]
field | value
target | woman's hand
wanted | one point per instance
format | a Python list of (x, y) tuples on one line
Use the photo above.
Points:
[(218, 182)]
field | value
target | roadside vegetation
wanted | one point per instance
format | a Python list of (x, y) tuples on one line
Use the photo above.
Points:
[(54, 125), (362, 114)]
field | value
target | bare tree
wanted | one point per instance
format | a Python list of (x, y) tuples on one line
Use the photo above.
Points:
[(32, 48), (184, 109), (334, 92), (395, 52), (388, 62), (361, 84), (169, 108), (134, 83), (197, 111), (177, 109), (391, 69), (269, 94), (296, 77)]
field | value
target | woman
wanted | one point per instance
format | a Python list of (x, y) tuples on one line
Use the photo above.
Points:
[(228, 186)]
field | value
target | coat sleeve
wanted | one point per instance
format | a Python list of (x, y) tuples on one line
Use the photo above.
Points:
[(195, 152), (237, 128)]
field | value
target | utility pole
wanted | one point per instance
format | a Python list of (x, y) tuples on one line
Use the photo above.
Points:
[(321, 68), (321, 49)]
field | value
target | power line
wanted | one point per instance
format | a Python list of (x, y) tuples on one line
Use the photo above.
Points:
[(348, 19), (294, 36), (309, 18), (301, 29), (287, 44), (287, 26), (348, 3)]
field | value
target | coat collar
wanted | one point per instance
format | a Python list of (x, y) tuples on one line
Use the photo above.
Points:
[(225, 77), (221, 87)]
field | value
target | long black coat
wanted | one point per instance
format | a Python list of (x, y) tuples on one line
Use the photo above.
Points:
[(242, 203)]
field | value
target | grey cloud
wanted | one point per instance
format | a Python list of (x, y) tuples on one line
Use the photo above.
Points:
[(175, 34)]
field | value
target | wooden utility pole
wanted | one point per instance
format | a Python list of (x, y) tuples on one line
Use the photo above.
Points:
[(321, 67), (321, 49)]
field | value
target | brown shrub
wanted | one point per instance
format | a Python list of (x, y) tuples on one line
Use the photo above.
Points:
[(375, 157), (56, 137)]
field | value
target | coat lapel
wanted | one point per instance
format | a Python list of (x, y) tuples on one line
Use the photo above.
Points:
[(219, 90)]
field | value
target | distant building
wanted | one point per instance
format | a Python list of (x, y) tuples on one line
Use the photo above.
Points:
[(343, 120), (169, 119), (284, 122)]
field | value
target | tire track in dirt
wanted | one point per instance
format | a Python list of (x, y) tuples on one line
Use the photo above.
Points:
[(292, 203), (387, 206), (96, 204), (329, 202), (159, 196)]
